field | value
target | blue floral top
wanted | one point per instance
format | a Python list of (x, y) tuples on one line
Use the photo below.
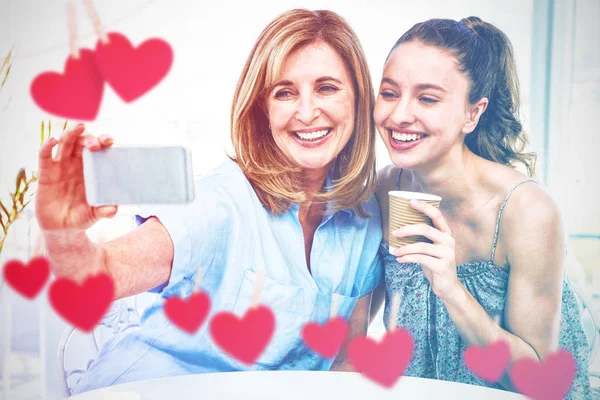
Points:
[(440, 355)]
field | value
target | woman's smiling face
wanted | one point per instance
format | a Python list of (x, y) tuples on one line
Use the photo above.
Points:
[(422, 109), (311, 107)]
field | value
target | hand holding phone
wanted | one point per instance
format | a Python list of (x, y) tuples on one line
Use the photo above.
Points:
[(71, 195), (60, 201)]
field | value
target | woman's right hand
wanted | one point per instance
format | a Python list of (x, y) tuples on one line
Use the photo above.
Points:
[(60, 197)]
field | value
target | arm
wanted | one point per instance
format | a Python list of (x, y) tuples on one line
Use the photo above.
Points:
[(137, 261), (535, 243), (357, 326)]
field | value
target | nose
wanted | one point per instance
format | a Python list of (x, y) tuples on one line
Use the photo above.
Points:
[(307, 109), (403, 113)]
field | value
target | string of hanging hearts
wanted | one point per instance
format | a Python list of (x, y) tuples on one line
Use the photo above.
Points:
[(130, 71), (382, 361)]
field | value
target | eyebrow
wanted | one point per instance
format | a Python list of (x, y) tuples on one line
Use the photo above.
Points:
[(420, 86), (319, 80)]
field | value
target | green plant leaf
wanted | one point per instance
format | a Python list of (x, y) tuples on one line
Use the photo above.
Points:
[(5, 76), (20, 179), (4, 209)]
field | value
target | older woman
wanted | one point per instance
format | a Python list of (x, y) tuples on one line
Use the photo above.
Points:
[(295, 200)]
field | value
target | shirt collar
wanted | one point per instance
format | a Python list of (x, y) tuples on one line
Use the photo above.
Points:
[(328, 183)]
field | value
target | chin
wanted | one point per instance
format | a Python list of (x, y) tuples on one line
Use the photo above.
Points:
[(313, 163), (404, 162)]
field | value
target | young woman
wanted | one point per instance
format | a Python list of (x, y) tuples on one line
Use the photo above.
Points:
[(296, 200), (495, 270)]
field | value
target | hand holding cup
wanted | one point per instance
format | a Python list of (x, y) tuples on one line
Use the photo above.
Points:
[(402, 214), (422, 236)]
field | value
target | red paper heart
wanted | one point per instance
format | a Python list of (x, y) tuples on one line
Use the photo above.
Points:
[(488, 363), (27, 280), (76, 94), (132, 72), (325, 340), (385, 361), (245, 338), (82, 305), (551, 379), (188, 314)]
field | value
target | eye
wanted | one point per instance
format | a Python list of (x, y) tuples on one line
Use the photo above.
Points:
[(327, 89), (388, 95), (428, 100), (283, 94)]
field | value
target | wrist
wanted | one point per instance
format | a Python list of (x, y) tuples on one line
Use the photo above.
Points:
[(456, 296), (65, 237), (72, 253)]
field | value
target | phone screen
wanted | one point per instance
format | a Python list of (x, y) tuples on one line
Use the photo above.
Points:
[(123, 175)]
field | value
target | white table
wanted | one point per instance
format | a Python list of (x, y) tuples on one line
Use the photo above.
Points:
[(292, 385)]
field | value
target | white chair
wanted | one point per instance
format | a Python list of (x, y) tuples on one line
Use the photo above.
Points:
[(76, 351)]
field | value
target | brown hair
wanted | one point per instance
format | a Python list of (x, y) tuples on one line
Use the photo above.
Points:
[(485, 55), (274, 178)]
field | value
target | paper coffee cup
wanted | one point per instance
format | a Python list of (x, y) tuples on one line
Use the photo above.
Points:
[(401, 214)]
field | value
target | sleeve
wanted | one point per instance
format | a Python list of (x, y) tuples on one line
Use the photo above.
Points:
[(199, 230)]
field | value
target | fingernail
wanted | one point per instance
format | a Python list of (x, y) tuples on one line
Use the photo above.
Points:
[(79, 125), (393, 250)]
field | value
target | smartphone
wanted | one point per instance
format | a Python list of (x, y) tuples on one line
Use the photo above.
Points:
[(121, 175)]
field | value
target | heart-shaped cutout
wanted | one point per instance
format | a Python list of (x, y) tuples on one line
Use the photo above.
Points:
[(188, 314), (549, 380), (27, 280), (488, 363), (76, 94), (83, 305), (383, 362), (325, 340), (244, 338), (130, 71)]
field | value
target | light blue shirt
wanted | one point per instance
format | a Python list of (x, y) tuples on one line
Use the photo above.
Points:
[(227, 235)]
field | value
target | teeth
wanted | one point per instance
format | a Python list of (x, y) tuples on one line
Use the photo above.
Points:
[(312, 135), (404, 137)]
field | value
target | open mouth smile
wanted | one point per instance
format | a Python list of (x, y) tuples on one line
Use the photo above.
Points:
[(312, 137), (403, 140)]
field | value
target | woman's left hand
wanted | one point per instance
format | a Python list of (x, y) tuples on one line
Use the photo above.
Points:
[(437, 259)]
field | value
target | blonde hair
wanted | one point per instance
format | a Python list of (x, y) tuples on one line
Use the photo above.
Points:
[(273, 176)]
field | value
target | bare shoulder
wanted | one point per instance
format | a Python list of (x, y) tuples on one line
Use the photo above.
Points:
[(530, 206), (532, 229), (528, 202)]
